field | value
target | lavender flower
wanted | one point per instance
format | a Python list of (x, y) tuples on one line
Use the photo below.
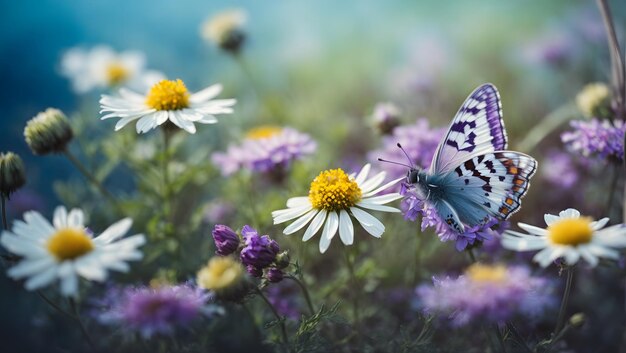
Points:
[(152, 311), (420, 142), (268, 150), (226, 240), (487, 293), (561, 172), (595, 137), (259, 252)]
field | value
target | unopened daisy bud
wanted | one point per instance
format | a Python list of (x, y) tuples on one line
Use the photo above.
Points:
[(12, 175), (282, 259), (595, 100), (577, 320), (225, 30), (48, 132), (226, 277), (226, 240), (386, 117), (274, 275)]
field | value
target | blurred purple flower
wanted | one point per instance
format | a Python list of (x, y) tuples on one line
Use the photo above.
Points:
[(284, 297), (596, 138), (386, 117), (274, 275), (259, 251), (418, 140), (218, 211), (226, 240), (159, 310), (487, 293), (24, 200), (265, 150), (552, 48), (560, 171)]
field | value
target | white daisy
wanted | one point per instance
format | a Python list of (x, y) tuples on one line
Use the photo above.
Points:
[(569, 236), (166, 100), (333, 199), (102, 67), (65, 250)]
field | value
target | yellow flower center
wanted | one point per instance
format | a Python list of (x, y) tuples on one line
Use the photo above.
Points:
[(486, 273), (334, 190), (571, 231), (263, 132), (69, 243), (116, 73), (221, 273), (168, 95)]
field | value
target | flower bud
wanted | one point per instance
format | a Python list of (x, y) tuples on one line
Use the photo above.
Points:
[(226, 277), (274, 275), (12, 175), (282, 259), (226, 240), (254, 271), (48, 132), (225, 30), (577, 320), (260, 251), (594, 101), (386, 117)]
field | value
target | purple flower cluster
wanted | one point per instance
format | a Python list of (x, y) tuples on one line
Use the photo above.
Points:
[(418, 140), (414, 206), (595, 137), (159, 310), (271, 154), (466, 299), (561, 172)]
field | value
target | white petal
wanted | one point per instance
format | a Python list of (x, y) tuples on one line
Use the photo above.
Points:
[(42, 279), (346, 228), (300, 222), (124, 121), (114, 232), (330, 229), (76, 218), (60, 217), (601, 251), (381, 188), (90, 268), (547, 255), (570, 213), (315, 225), (383, 199), (376, 207), (591, 259), (523, 243), (550, 218), (360, 178), (368, 222), (532, 229), (571, 256), (597, 225), (29, 267), (285, 215), (373, 183), (206, 94), (298, 201), (69, 285)]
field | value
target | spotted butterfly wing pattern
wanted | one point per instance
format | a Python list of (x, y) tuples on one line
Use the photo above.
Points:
[(475, 176)]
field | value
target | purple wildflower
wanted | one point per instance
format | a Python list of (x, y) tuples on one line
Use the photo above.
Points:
[(226, 240), (419, 141), (274, 275), (259, 251), (151, 311), (487, 293), (561, 172), (284, 297), (266, 150), (597, 137), (218, 211)]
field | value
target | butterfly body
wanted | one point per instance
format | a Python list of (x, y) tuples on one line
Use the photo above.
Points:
[(472, 177)]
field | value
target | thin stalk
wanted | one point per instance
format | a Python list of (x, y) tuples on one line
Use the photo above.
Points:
[(519, 337), (54, 305), (83, 329), (566, 294), (353, 279), (83, 170), (500, 338), (470, 253), (305, 292), (167, 194), (617, 62), (5, 224), (280, 319), (545, 127), (613, 190)]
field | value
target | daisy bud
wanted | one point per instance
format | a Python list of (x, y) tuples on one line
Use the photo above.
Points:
[(595, 100), (274, 275), (12, 175), (225, 30), (48, 132), (226, 240), (282, 260), (386, 117), (226, 277), (260, 251), (577, 320)]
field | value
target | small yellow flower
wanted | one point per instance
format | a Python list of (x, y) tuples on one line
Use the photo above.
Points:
[(225, 276), (594, 100)]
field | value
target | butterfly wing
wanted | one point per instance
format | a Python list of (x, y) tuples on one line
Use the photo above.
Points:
[(488, 185), (477, 128)]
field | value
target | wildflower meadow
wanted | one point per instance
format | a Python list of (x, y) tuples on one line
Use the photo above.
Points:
[(290, 176)]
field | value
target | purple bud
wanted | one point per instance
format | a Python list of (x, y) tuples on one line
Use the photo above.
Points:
[(260, 251), (254, 271), (274, 275), (226, 240)]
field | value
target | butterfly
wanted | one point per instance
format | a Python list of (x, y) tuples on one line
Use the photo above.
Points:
[(473, 177)]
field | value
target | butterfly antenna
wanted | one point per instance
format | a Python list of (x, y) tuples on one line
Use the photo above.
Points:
[(406, 154), (392, 162)]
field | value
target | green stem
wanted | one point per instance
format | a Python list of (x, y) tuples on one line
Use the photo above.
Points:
[(167, 194), (305, 292), (355, 285), (280, 319), (470, 253), (617, 62), (546, 126), (243, 65), (568, 288), (500, 338), (81, 168), (5, 224), (83, 329)]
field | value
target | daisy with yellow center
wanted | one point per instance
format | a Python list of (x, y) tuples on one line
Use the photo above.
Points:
[(568, 236), (65, 250), (167, 100), (102, 67), (334, 198), (225, 276)]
